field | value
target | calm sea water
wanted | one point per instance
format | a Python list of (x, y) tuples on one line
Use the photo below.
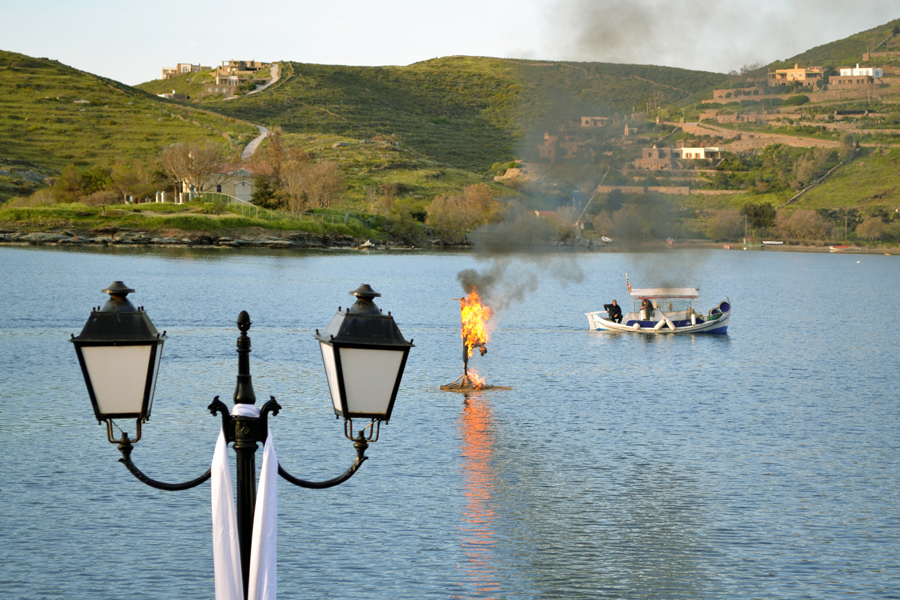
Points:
[(761, 464)]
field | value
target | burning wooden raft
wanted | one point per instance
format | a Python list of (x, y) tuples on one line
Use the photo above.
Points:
[(474, 315)]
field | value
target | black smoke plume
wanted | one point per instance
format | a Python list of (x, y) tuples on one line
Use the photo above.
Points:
[(529, 243)]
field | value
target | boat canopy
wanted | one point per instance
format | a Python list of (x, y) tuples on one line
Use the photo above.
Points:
[(665, 293)]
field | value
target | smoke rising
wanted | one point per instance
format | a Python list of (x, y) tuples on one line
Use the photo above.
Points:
[(523, 240), (698, 35)]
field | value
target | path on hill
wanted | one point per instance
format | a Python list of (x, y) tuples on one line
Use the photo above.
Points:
[(250, 148), (272, 81)]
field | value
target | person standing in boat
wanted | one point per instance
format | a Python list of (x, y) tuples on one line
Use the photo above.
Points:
[(614, 311), (646, 309)]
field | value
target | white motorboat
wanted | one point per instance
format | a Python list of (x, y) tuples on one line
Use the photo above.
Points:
[(664, 310)]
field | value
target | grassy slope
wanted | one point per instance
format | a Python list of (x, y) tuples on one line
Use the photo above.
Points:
[(171, 219), (189, 84), (842, 53), (41, 120), (870, 180), (464, 111), (366, 166)]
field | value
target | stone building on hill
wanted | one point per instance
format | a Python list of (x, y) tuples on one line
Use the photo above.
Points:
[(594, 121), (181, 68), (856, 77), (657, 159), (231, 75), (670, 159), (241, 68)]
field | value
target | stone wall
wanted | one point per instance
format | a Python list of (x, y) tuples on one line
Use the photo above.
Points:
[(682, 190), (625, 189), (716, 192)]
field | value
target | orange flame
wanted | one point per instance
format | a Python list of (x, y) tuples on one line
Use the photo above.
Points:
[(476, 380), (475, 315)]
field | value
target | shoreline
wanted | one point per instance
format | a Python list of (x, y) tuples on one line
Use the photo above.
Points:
[(305, 240)]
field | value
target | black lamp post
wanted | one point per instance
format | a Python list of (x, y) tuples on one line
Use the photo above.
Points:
[(119, 352)]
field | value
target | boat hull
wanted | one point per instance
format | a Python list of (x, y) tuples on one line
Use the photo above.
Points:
[(599, 322)]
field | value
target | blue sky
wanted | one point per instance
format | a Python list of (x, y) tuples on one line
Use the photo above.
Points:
[(130, 41)]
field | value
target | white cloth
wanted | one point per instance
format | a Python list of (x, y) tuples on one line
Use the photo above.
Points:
[(263, 575), (226, 547)]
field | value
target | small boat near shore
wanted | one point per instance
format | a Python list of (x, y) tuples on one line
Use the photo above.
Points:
[(664, 310)]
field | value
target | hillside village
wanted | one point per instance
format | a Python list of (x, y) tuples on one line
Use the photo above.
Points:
[(228, 80), (760, 110), (598, 146)]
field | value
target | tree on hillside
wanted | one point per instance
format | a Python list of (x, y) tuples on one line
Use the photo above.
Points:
[(848, 145), (130, 179), (759, 216), (311, 184), (454, 216), (193, 165), (809, 166), (265, 195), (871, 229), (72, 184), (725, 225), (803, 225)]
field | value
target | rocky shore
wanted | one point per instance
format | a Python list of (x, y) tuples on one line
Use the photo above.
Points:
[(305, 240), (128, 237)]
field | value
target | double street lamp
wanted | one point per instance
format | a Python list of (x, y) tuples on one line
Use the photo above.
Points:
[(364, 354)]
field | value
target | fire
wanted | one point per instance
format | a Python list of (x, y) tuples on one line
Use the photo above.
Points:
[(475, 315), (476, 380)]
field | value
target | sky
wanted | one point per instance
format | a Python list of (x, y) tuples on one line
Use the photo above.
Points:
[(131, 41)]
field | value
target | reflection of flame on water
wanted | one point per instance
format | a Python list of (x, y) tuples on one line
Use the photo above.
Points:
[(478, 517)]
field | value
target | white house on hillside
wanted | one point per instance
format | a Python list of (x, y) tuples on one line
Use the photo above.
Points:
[(862, 72), (692, 153)]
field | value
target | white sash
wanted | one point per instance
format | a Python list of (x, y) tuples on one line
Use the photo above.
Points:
[(226, 548)]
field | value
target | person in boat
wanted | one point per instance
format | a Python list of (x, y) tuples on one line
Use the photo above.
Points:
[(646, 309), (614, 311)]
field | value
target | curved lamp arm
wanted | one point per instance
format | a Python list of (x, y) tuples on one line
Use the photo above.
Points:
[(360, 444), (125, 448)]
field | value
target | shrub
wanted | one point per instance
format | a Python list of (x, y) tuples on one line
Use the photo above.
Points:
[(796, 100), (101, 198), (803, 225), (725, 225), (453, 216), (871, 229), (42, 197)]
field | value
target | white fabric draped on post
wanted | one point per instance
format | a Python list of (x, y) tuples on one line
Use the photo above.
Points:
[(226, 547)]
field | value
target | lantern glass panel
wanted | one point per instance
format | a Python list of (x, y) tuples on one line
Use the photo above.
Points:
[(331, 373), (119, 376), (153, 378), (369, 378)]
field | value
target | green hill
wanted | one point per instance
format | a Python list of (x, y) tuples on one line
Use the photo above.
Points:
[(848, 51), (52, 115), (468, 112)]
